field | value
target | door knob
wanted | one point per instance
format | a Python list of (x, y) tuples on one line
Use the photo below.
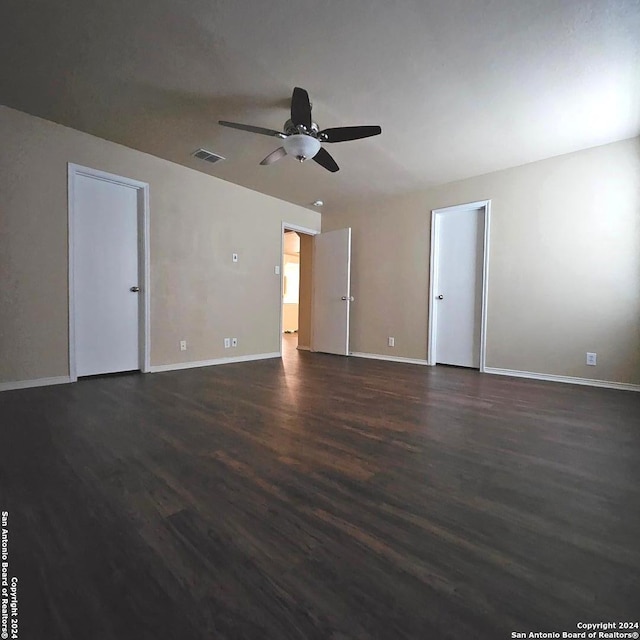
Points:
[(440, 297), (349, 298), (134, 289)]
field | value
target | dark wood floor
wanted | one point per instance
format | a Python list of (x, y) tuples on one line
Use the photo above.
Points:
[(320, 497)]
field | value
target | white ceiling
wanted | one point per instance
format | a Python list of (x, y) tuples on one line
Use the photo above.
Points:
[(460, 87)]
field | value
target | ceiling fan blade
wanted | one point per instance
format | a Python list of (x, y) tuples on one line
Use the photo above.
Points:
[(300, 108), (252, 129), (274, 156), (324, 159), (343, 134)]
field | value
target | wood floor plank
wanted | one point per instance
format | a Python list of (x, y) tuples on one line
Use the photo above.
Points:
[(320, 497)]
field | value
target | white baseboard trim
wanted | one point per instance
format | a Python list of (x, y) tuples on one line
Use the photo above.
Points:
[(377, 356), (301, 347), (209, 363), (37, 382), (605, 384)]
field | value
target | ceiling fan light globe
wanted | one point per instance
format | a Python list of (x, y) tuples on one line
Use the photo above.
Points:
[(301, 146)]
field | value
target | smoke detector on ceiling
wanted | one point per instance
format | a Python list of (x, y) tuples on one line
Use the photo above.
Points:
[(207, 156)]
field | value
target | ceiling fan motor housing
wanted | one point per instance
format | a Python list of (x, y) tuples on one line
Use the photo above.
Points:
[(291, 129)]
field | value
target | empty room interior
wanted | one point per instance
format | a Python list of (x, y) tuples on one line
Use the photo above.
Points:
[(320, 320)]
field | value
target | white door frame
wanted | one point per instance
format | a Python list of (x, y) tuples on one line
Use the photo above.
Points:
[(485, 205), (75, 170), (291, 227)]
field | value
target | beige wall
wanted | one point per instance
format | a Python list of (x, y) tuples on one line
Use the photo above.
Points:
[(564, 260), (197, 222), (291, 244), (564, 265)]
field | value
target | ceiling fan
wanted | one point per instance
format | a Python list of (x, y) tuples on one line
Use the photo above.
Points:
[(302, 137)]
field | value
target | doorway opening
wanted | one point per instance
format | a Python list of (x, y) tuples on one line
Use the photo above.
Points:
[(459, 269), (296, 287), (324, 290)]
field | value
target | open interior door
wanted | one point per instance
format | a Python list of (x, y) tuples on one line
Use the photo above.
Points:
[(331, 291)]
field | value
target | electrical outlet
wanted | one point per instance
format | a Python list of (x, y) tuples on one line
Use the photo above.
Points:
[(591, 359), (234, 342), (183, 345), (227, 343), (234, 257), (392, 342), (276, 269)]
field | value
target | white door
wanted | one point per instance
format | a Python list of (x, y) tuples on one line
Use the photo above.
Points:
[(331, 291), (105, 245), (458, 286)]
